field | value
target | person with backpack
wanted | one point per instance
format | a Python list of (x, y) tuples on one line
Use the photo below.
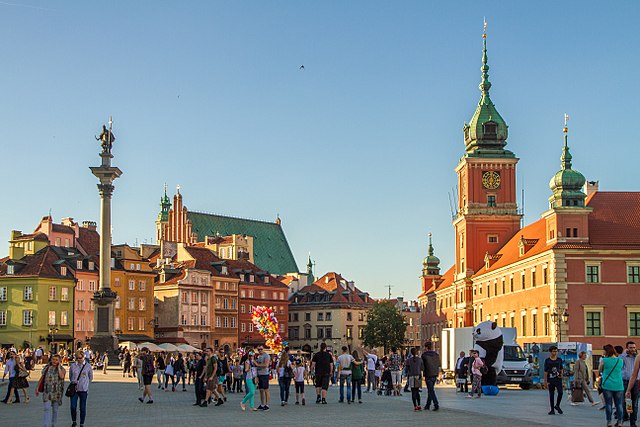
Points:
[(223, 370), (432, 364), (148, 370), (414, 366), (285, 374), (160, 366), (478, 368)]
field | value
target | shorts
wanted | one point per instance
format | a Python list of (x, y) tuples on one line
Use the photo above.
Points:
[(299, 387), (221, 379), (146, 379), (396, 377), (211, 385), (263, 382), (322, 381)]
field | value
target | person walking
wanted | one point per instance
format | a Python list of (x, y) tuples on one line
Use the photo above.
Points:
[(415, 367), (105, 362), (322, 368), (52, 380), (628, 358), (610, 369), (298, 379), (395, 366), (147, 372), (10, 370), (223, 370), (553, 371), (476, 374), (462, 373), (238, 372), (22, 379), (357, 376), (581, 378), (180, 369), (372, 361), (344, 365), (263, 362), (199, 378), (137, 369), (211, 377), (285, 374), (80, 374), (431, 361), (160, 366), (251, 376), (169, 372)]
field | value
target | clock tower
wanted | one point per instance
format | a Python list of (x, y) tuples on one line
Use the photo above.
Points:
[(487, 215)]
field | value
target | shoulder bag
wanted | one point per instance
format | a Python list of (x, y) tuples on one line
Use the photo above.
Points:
[(72, 390), (40, 388), (610, 372)]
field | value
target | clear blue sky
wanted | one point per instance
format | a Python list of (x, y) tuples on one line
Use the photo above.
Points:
[(357, 152)]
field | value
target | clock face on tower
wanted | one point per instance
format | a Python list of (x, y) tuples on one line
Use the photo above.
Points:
[(491, 180)]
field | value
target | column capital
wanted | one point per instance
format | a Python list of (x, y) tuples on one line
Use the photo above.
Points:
[(106, 190)]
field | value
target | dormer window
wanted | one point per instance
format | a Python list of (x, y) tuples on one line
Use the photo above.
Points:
[(63, 270), (266, 280), (79, 264), (490, 130), (91, 265), (224, 270), (251, 278), (10, 269)]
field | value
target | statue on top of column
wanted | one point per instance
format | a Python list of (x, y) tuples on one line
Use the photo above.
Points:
[(106, 138)]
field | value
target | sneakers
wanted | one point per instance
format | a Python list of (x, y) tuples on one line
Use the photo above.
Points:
[(281, 403), (220, 402), (359, 401), (324, 401), (559, 410), (303, 401), (149, 402), (317, 399), (141, 400), (204, 404), (297, 403), (552, 412), (260, 408), (265, 408), (435, 408)]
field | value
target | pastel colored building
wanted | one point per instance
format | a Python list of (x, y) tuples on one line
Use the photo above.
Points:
[(572, 275)]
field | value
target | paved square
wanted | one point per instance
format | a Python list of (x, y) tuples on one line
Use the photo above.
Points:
[(113, 401)]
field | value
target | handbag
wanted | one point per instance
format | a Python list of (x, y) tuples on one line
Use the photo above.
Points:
[(72, 390), (40, 388)]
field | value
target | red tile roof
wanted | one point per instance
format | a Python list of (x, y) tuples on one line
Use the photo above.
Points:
[(334, 287), (89, 241), (40, 264), (615, 220), (36, 236), (446, 279), (59, 228)]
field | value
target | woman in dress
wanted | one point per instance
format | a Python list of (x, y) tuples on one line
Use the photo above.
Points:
[(53, 381), (22, 380)]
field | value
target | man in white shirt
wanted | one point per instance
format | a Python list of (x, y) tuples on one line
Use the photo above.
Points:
[(372, 360), (10, 369), (344, 363), (39, 353)]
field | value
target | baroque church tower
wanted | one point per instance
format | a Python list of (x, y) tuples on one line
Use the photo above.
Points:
[(487, 215)]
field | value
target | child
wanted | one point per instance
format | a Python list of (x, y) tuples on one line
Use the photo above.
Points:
[(298, 378)]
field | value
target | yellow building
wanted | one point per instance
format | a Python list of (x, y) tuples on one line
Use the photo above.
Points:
[(132, 279)]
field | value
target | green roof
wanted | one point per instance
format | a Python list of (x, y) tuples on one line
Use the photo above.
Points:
[(270, 246)]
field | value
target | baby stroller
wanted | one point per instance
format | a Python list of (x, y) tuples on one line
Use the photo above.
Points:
[(386, 384)]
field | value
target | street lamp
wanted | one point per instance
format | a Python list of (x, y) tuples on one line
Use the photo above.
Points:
[(559, 318), (435, 339)]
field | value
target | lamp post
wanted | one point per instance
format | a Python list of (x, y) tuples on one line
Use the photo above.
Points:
[(558, 319), (52, 332), (435, 339)]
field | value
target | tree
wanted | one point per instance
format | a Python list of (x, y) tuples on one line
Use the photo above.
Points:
[(385, 326)]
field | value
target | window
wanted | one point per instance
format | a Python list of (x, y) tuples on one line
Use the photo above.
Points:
[(225, 304), (533, 280), (233, 303), (504, 288), (320, 316), (263, 294), (593, 274), (142, 304), (233, 322), (91, 305), (307, 317), (327, 316), (593, 323), (491, 201), (81, 305), (512, 320), (307, 333), (116, 282), (218, 302), (242, 293), (492, 238), (142, 285), (361, 333), (130, 323), (243, 327), (511, 284), (203, 297), (92, 285), (250, 327), (634, 324), (546, 324), (534, 324), (91, 265), (141, 323), (132, 285), (194, 297), (361, 316), (132, 304), (63, 270), (118, 302), (10, 269), (320, 333), (327, 333), (184, 297), (27, 293), (568, 232), (79, 265), (52, 293), (633, 274), (116, 323), (524, 324), (203, 320), (3, 293), (64, 294), (349, 332), (251, 294), (218, 322), (295, 317), (52, 318), (3, 317), (575, 232), (545, 275), (349, 316), (27, 317), (243, 308), (183, 319), (524, 281)]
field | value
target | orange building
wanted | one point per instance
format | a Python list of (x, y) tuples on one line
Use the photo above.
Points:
[(132, 279), (572, 275)]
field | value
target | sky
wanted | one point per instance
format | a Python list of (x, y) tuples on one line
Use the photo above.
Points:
[(356, 152)]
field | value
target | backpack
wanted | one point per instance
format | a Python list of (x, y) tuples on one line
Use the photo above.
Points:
[(148, 368)]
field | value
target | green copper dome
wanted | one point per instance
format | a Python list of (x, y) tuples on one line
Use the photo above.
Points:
[(430, 265), (487, 132), (165, 206), (567, 183)]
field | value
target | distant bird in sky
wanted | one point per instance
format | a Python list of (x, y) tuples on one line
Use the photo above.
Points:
[(301, 67)]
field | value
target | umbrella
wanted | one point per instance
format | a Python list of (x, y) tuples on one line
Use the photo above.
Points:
[(151, 346), (187, 348), (168, 347), (128, 344)]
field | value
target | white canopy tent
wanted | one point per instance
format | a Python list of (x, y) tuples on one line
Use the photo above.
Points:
[(151, 346), (187, 348), (168, 347)]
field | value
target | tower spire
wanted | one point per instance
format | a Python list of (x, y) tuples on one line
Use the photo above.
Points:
[(566, 155), (485, 84), (430, 246)]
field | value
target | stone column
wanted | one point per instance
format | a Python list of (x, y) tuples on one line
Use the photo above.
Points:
[(104, 299)]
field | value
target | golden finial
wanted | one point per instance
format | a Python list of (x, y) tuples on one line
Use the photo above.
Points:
[(484, 33), (566, 120)]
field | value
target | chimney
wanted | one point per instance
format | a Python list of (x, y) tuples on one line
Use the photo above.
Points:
[(591, 187), (68, 221), (90, 225)]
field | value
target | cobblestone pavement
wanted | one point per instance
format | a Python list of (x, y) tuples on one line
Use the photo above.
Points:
[(113, 401)]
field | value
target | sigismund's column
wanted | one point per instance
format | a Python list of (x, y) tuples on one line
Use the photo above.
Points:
[(104, 338)]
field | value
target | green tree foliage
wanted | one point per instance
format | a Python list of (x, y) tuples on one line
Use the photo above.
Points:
[(385, 326)]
